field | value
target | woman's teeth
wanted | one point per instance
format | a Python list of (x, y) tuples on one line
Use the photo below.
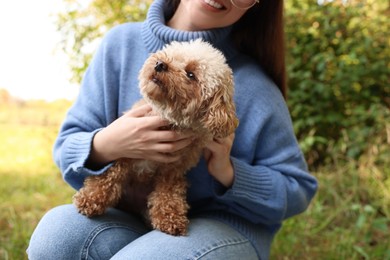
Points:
[(214, 4)]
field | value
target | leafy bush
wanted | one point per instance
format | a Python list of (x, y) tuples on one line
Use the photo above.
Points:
[(339, 72)]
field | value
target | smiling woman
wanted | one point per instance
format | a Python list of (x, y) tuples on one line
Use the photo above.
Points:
[(30, 65)]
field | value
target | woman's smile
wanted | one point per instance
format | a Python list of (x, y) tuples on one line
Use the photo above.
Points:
[(214, 4)]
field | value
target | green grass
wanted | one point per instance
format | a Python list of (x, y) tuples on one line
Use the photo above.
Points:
[(348, 219), (30, 182)]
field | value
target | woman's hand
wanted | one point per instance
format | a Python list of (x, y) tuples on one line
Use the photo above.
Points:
[(137, 136), (217, 155)]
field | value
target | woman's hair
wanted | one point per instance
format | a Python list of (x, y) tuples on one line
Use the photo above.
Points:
[(260, 34)]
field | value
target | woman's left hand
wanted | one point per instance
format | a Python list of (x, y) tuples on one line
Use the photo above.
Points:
[(217, 155)]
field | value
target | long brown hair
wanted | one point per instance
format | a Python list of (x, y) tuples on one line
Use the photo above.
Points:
[(260, 34)]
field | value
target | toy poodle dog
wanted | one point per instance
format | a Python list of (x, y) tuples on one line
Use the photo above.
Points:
[(191, 86)]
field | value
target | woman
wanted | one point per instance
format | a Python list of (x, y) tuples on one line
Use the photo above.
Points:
[(245, 185)]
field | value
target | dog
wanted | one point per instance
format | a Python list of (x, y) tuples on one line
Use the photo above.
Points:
[(190, 85)]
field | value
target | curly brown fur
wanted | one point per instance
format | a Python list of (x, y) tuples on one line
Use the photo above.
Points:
[(190, 85)]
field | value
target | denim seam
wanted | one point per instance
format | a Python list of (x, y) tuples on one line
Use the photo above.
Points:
[(220, 244), (97, 231)]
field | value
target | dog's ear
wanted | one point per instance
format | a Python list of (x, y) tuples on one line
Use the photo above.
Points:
[(221, 117)]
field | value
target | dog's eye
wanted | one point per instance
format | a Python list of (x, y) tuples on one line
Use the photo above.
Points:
[(191, 75)]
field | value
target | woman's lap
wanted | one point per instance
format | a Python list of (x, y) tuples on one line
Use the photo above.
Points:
[(63, 233), (206, 239)]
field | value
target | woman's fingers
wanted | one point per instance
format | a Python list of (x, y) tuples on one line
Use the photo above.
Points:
[(217, 155), (144, 137), (167, 136), (221, 145), (139, 111), (150, 122), (165, 150), (172, 147)]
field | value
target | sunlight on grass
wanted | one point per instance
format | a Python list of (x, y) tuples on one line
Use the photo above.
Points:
[(30, 182), (26, 148)]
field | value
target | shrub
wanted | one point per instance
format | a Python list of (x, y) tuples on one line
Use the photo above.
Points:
[(338, 67)]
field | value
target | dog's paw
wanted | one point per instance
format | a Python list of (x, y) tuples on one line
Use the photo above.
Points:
[(172, 224), (87, 207)]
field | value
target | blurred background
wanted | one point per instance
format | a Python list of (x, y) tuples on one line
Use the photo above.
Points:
[(338, 61)]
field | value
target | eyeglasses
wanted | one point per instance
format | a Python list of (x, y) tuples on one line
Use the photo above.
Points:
[(244, 4)]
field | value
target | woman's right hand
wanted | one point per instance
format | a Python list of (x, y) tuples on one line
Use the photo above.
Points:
[(137, 136)]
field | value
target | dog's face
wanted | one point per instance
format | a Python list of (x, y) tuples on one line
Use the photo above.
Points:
[(191, 85)]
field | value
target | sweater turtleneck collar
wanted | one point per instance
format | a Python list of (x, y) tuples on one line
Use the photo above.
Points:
[(156, 34)]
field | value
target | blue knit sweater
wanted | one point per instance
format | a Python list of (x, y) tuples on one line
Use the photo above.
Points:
[(271, 178)]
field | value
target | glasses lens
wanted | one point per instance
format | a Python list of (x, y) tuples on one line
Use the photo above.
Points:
[(243, 4)]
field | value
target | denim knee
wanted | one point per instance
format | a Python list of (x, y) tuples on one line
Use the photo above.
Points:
[(227, 249), (207, 239), (106, 240), (63, 233)]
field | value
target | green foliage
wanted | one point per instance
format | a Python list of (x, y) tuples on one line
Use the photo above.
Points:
[(339, 71), (83, 25)]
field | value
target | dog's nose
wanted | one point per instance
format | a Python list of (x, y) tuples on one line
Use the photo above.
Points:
[(160, 66)]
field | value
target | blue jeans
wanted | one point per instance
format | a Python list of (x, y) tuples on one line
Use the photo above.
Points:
[(63, 233)]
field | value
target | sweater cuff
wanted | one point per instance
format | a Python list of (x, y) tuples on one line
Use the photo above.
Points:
[(78, 151), (250, 182)]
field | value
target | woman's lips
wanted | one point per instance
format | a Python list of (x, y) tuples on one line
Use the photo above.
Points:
[(214, 4)]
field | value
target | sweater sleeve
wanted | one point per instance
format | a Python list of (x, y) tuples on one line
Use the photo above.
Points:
[(266, 194), (271, 181), (91, 111)]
